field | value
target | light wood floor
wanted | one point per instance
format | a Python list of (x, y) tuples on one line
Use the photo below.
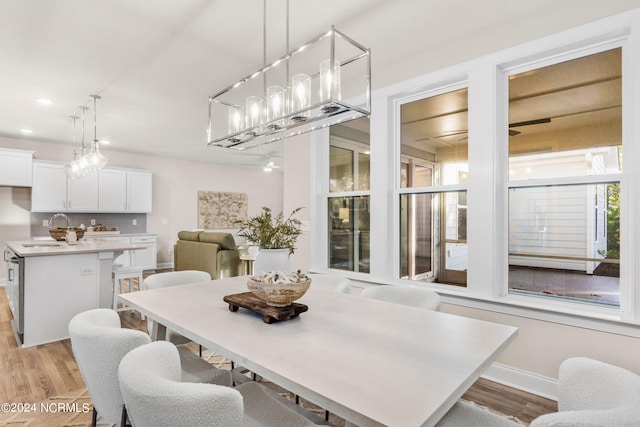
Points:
[(37, 373)]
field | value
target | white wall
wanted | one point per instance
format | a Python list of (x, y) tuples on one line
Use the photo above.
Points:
[(175, 191), (297, 192), (535, 355), (564, 14)]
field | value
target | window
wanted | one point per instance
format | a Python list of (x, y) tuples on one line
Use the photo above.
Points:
[(535, 217), (348, 204), (433, 172), (565, 151)]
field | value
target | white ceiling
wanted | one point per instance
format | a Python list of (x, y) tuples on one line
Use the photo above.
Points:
[(154, 62)]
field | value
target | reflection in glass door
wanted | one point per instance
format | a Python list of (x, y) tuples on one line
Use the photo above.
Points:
[(415, 224), (453, 233)]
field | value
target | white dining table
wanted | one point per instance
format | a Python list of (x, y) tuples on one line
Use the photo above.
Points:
[(370, 362)]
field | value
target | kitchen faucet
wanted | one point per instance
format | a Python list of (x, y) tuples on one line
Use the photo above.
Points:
[(58, 215)]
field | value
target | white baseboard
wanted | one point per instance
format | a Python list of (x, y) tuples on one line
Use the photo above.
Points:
[(164, 265), (523, 380)]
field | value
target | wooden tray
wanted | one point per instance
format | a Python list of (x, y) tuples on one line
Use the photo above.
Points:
[(269, 314)]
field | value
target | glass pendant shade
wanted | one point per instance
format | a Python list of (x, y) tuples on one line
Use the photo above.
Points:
[(254, 112), (300, 97), (330, 82), (236, 121), (94, 159), (275, 107), (323, 82), (83, 165), (73, 169)]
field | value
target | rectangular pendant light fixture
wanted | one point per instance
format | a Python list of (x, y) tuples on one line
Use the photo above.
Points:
[(324, 82)]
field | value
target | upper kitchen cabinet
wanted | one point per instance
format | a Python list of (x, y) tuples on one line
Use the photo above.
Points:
[(109, 190), (15, 167), (83, 193), (113, 190), (49, 191), (139, 190)]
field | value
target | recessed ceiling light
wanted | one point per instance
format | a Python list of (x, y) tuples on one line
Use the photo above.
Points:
[(105, 142), (26, 131), (44, 101)]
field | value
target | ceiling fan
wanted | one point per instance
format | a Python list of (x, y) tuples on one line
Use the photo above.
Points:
[(511, 125), (526, 123), (267, 166)]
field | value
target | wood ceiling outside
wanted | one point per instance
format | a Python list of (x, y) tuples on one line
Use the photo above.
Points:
[(581, 97)]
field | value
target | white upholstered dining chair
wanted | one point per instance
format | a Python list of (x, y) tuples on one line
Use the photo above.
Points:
[(173, 278), (413, 296), (590, 393), (150, 382), (330, 282), (99, 344)]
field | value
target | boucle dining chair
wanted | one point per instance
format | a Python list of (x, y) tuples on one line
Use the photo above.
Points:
[(174, 278), (413, 296), (330, 282), (150, 382), (99, 344), (590, 393)]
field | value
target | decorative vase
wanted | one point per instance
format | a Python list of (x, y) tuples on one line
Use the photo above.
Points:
[(273, 260)]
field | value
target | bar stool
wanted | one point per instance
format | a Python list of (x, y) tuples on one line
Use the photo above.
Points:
[(120, 274)]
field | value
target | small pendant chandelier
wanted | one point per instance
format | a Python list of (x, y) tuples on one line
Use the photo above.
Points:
[(73, 169), (95, 159), (82, 160), (323, 82)]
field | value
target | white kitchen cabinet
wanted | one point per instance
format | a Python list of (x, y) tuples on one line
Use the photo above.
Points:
[(145, 258), (140, 258), (113, 190), (82, 193), (56, 288), (109, 190), (139, 191), (49, 191), (57, 282), (16, 167)]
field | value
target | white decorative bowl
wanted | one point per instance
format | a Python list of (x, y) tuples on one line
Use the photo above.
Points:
[(278, 294)]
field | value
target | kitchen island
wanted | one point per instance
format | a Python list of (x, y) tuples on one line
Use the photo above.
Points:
[(50, 282)]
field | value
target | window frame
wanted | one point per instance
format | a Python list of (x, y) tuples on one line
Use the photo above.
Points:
[(320, 188), (487, 188), (543, 58), (435, 89)]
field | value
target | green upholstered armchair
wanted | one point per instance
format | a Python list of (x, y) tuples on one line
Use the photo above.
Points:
[(215, 253)]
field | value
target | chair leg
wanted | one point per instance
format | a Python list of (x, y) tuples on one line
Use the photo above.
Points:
[(123, 419), (200, 350), (94, 417)]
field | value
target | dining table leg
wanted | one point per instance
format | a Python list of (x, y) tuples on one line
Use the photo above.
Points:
[(158, 331)]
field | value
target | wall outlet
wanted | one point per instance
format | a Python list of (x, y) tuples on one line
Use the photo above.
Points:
[(93, 222), (134, 221), (45, 223), (86, 271), (165, 221)]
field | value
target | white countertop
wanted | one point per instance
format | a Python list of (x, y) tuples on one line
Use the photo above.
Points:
[(51, 247)]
